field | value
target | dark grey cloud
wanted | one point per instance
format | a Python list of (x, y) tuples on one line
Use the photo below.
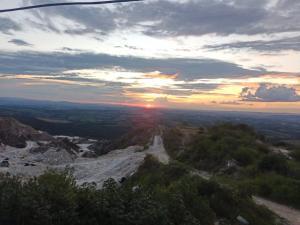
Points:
[(270, 93), (175, 18), (20, 42), (100, 20), (269, 46), (7, 25), (178, 18), (55, 63), (196, 17), (285, 15)]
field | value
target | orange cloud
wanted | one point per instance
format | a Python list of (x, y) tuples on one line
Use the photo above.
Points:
[(159, 75)]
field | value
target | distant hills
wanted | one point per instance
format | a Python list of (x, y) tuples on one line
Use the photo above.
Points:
[(11, 101), (111, 121)]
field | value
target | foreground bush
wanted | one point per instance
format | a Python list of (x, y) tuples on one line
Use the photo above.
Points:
[(156, 195)]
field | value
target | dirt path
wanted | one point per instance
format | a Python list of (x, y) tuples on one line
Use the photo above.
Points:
[(158, 150), (285, 212)]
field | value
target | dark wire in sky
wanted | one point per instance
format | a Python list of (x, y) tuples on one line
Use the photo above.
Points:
[(66, 4)]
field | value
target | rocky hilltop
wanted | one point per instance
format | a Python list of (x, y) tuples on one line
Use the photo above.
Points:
[(15, 134)]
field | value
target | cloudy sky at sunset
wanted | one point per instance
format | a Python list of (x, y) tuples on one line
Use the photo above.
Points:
[(191, 54)]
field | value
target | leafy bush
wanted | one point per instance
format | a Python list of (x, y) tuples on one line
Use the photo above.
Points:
[(211, 150), (261, 171), (172, 141), (10, 199), (278, 188), (274, 162), (245, 156), (49, 199), (296, 154)]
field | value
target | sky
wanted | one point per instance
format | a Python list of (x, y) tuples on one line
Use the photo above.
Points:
[(241, 55)]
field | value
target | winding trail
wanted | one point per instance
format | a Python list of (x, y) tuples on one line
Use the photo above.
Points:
[(289, 214)]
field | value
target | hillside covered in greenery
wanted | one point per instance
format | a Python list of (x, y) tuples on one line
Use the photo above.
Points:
[(239, 157)]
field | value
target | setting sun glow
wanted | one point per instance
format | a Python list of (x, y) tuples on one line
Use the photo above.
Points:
[(148, 106)]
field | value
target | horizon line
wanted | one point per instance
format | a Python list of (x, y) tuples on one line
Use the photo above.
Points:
[(142, 106)]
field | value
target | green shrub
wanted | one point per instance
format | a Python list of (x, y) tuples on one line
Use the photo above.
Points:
[(245, 156), (211, 150), (50, 199), (10, 200), (172, 141), (296, 155), (278, 188), (274, 162)]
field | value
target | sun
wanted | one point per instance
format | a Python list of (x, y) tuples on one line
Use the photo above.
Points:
[(148, 106)]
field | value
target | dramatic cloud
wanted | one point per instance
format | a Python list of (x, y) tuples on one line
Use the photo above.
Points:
[(20, 42), (177, 18), (166, 17), (270, 93), (53, 63), (180, 18), (275, 45), (220, 17)]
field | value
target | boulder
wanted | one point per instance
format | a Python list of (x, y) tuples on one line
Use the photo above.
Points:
[(89, 154), (101, 147), (4, 163)]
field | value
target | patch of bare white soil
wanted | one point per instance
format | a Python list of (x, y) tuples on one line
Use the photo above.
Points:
[(292, 216), (116, 164)]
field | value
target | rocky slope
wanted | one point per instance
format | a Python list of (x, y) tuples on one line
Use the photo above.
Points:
[(26, 152), (15, 134)]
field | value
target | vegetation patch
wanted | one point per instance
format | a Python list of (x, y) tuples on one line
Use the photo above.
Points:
[(239, 157)]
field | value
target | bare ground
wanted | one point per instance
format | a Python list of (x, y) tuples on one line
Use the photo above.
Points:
[(289, 214)]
